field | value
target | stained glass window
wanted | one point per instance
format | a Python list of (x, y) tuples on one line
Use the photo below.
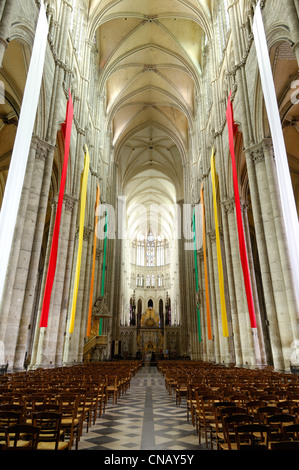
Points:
[(150, 250)]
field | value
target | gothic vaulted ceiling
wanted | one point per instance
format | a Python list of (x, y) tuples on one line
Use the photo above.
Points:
[(150, 59)]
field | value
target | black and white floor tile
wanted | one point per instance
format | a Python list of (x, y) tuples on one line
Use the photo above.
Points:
[(145, 418)]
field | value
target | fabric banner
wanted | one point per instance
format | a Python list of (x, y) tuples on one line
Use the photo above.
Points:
[(20, 153), (93, 263), (204, 247), (288, 203), (196, 278), (241, 236), (104, 268), (218, 246), (84, 181), (67, 130)]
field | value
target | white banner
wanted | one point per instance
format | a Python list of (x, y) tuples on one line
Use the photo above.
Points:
[(283, 173), (19, 158)]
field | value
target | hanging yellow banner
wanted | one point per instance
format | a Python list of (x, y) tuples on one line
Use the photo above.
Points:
[(84, 180), (219, 257)]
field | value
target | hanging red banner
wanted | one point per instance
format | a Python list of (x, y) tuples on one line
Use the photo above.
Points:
[(232, 129), (66, 130)]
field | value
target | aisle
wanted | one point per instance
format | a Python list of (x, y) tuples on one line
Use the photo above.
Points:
[(145, 418)]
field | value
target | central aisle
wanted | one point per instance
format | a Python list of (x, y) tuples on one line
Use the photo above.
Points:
[(145, 418)]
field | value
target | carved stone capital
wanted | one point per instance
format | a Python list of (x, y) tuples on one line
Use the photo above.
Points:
[(229, 205), (212, 236), (69, 202), (245, 205), (42, 148), (257, 155)]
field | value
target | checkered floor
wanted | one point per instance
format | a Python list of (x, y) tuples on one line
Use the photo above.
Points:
[(145, 418)]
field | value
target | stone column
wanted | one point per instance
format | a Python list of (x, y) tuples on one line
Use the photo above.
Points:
[(5, 25), (39, 332), (48, 338), (83, 308), (184, 317), (28, 258), (257, 336), (10, 276), (31, 242), (255, 192), (58, 48), (276, 277), (292, 8), (73, 348), (234, 292), (282, 244), (70, 207), (249, 354)]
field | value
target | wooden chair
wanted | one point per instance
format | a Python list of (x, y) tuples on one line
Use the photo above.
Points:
[(101, 398), (91, 405), (51, 436), (181, 390), (71, 421), (207, 414), (239, 398), (190, 403), (30, 402), (277, 424), (170, 382), (196, 387), (216, 433), (291, 431), (265, 411), (14, 407), (252, 436), (8, 418), (287, 406), (48, 407), (229, 429), (22, 437), (6, 399), (112, 388), (223, 412), (285, 445), (253, 407)]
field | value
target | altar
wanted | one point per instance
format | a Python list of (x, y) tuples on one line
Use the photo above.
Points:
[(150, 333), (149, 337)]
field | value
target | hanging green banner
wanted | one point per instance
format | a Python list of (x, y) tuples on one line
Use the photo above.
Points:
[(196, 279)]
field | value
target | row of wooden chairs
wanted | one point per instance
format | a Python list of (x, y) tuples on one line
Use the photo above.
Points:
[(219, 400), (49, 409)]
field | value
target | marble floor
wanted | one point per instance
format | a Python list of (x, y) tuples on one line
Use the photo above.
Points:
[(145, 418)]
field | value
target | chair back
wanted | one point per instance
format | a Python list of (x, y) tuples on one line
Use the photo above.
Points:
[(22, 437), (49, 424)]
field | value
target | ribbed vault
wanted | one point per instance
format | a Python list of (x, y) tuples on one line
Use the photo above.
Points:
[(150, 63)]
